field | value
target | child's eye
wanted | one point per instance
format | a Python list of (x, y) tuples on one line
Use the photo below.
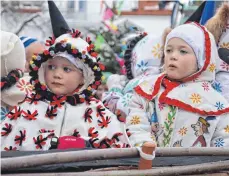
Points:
[(66, 69), (168, 50), (183, 52), (51, 67)]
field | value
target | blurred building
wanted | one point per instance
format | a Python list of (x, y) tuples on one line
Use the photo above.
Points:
[(78, 14)]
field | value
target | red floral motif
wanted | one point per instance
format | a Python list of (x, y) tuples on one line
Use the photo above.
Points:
[(25, 86), (92, 133), (225, 66), (20, 138), (15, 113), (205, 85), (58, 102), (30, 115), (161, 106), (10, 148), (103, 123), (6, 130)]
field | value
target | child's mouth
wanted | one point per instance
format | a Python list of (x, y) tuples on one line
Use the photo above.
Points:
[(172, 66), (57, 84)]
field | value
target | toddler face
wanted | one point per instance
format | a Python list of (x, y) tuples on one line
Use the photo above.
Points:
[(180, 59), (61, 76)]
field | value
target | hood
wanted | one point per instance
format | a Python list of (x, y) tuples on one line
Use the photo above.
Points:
[(69, 43), (143, 54), (203, 44)]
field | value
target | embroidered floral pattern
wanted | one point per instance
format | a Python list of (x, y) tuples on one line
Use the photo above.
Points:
[(25, 86), (195, 98), (130, 86), (212, 67), (219, 105), (217, 87), (205, 86), (225, 45), (142, 65), (4, 111), (126, 100), (161, 106), (183, 131), (226, 129), (219, 142), (225, 66), (157, 51), (135, 120), (168, 126)]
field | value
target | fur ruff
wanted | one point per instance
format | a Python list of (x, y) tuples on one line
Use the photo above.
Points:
[(217, 24)]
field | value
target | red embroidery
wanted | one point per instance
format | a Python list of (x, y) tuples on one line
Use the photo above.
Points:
[(10, 148), (6, 130), (16, 114), (100, 111), (76, 133), (19, 138), (87, 115), (51, 113), (104, 122), (58, 102), (30, 116), (40, 141), (91, 133), (46, 131)]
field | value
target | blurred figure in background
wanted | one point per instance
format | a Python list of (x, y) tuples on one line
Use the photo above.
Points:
[(103, 87), (13, 86), (32, 46)]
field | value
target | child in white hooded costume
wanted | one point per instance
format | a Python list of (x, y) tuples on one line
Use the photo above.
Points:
[(218, 25), (179, 107), (63, 105), (142, 58), (14, 86)]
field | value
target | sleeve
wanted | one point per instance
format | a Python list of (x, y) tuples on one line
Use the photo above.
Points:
[(111, 98), (138, 121), (221, 135)]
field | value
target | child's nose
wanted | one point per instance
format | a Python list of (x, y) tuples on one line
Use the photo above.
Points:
[(57, 74), (174, 56)]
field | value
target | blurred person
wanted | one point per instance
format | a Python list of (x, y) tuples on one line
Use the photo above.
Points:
[(14, 87), (103, 86), (32, 46)]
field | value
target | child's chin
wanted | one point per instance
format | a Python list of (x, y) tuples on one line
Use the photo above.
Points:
[(173, 76)]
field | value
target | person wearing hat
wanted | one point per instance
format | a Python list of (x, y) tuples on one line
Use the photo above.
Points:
[(181, 94), (62, 113), (218, 26), (14, 87), (201, 128), (32, 46)]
